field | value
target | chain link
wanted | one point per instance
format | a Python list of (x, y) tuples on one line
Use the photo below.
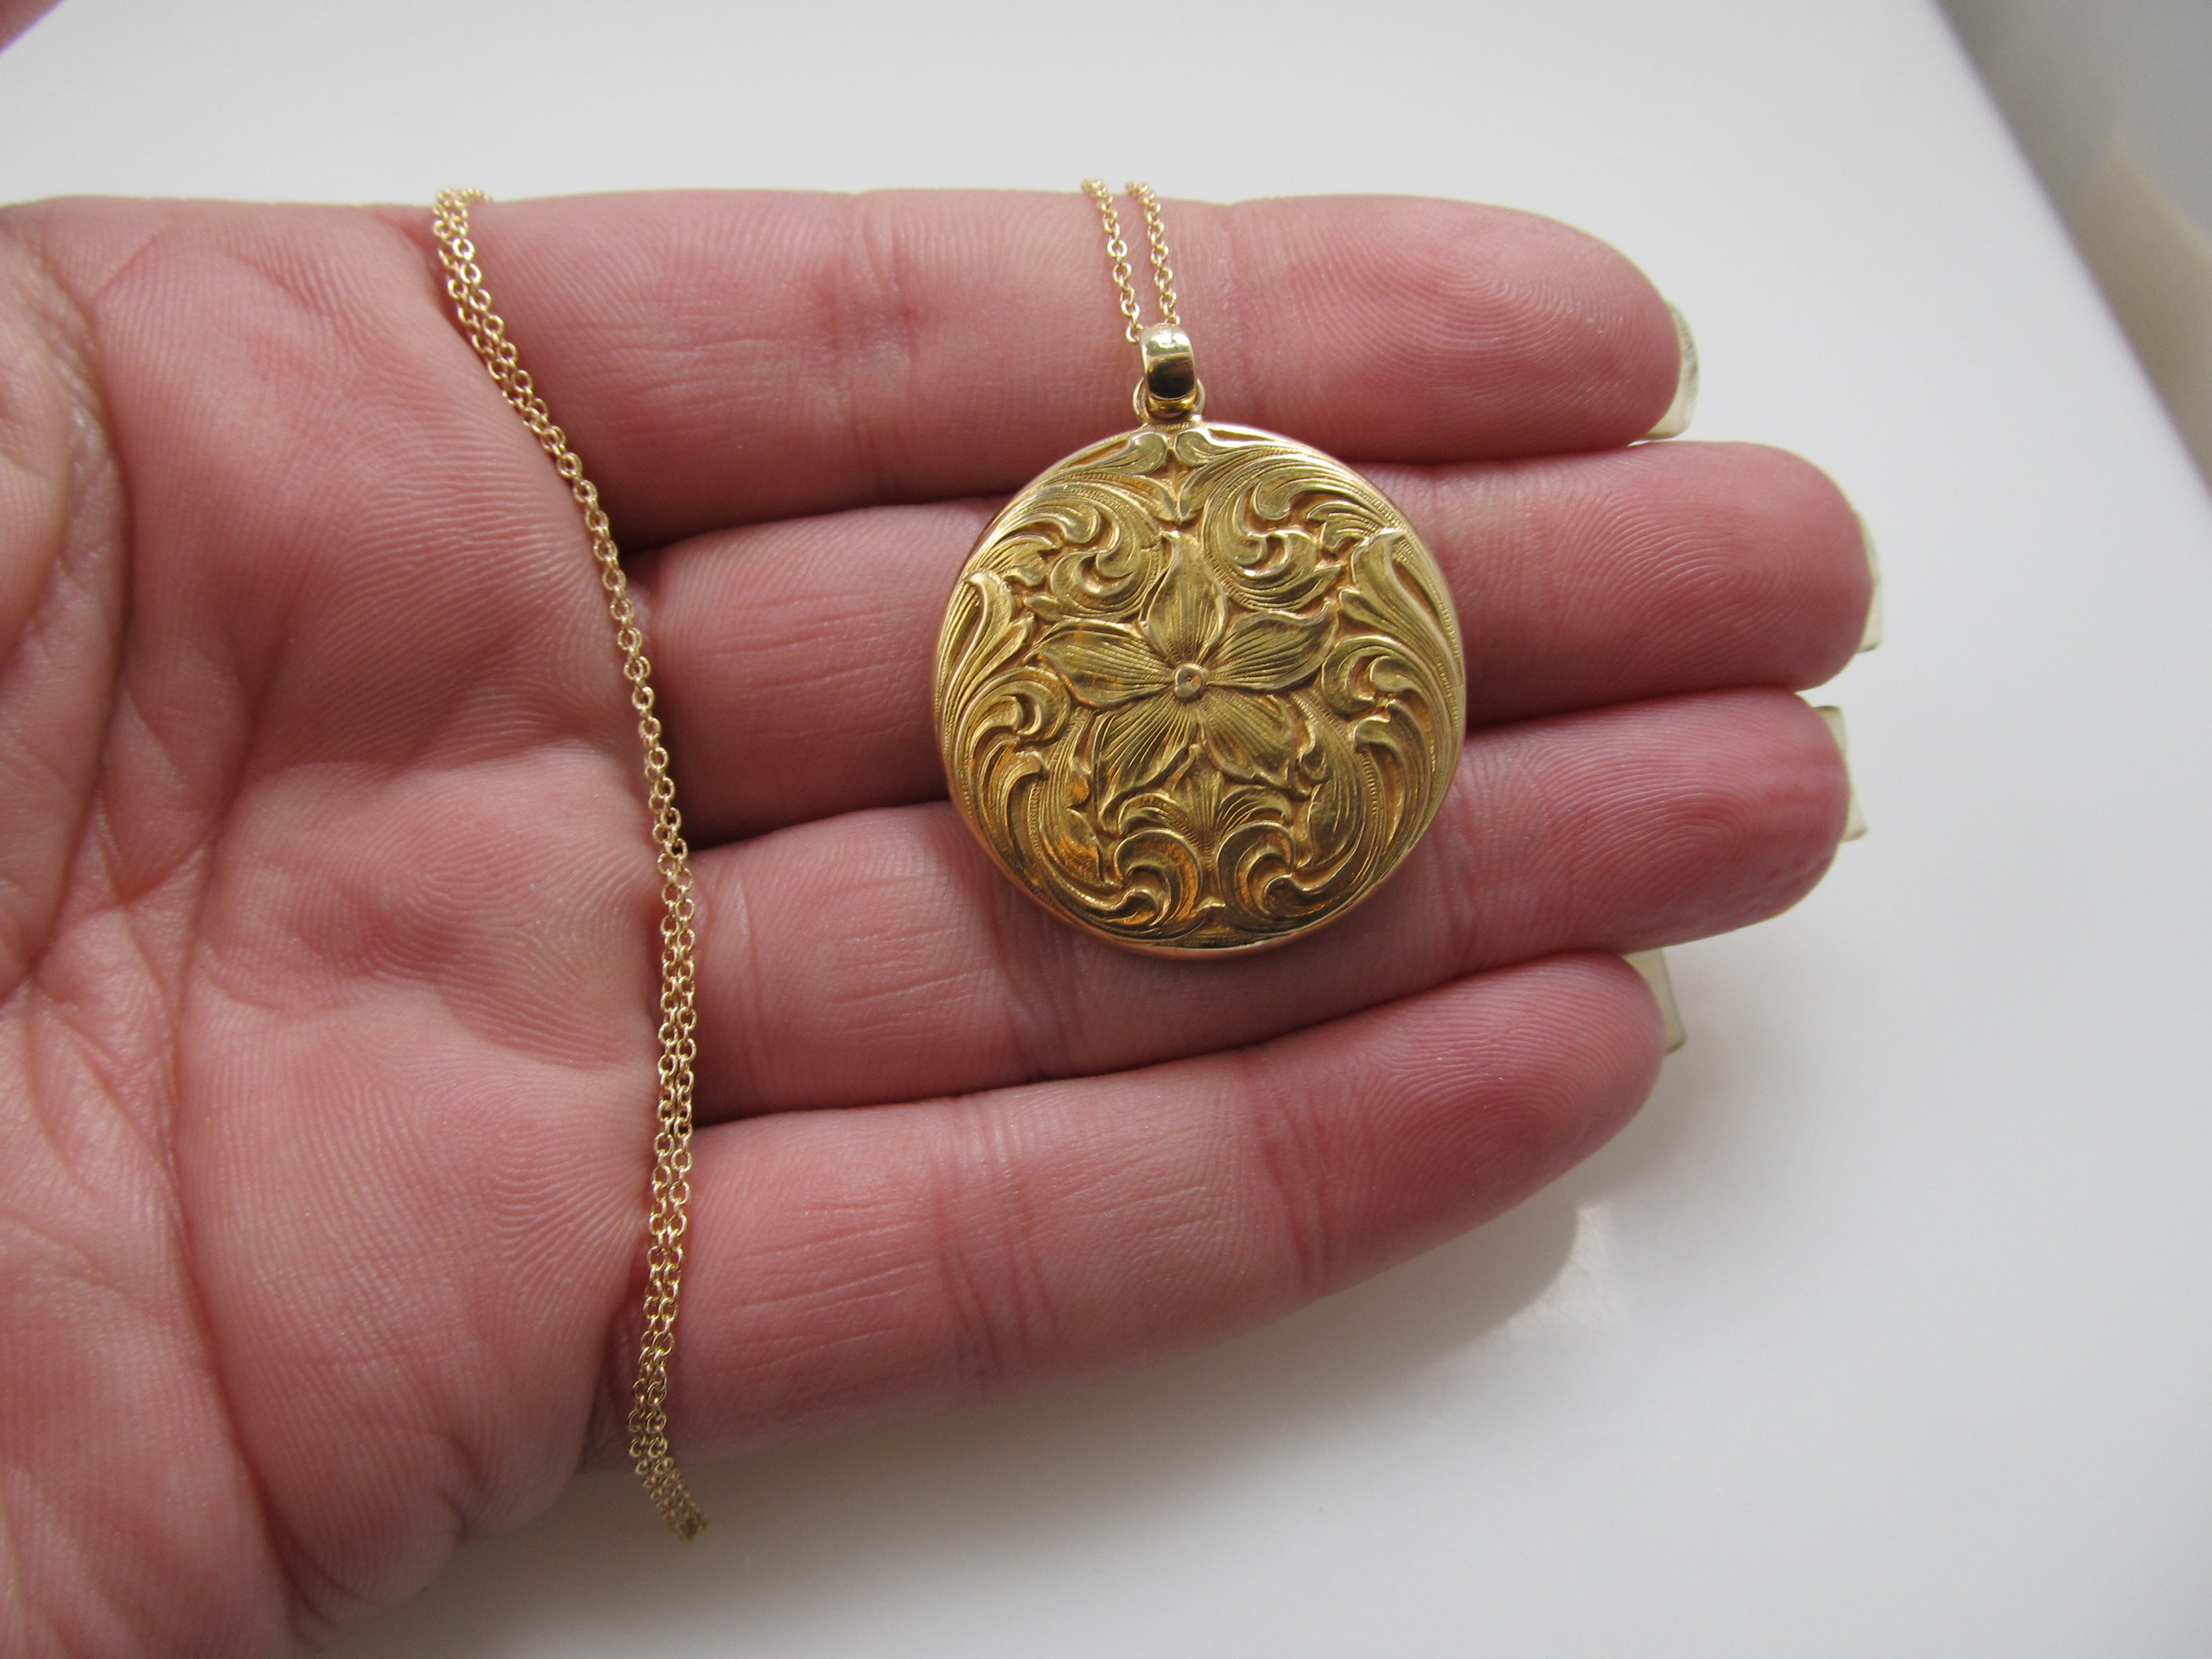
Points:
[(671, 1141), (1117, 250), (1156, 233)]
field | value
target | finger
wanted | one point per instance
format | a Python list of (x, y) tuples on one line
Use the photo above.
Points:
[(729, 358), (16, 15), (845, 1268), (900, 963), (795, 657)]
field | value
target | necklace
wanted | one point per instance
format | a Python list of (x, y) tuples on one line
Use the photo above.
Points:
[(1199, 687), (671, 1142)]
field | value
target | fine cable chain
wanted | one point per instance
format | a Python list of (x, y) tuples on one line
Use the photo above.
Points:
[(671, 1142), (1156, 235), (1117, 250)]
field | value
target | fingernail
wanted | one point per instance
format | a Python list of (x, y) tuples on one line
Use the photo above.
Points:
[(1676, 421), (1855, 824), (1872, 637), (1652, 964)]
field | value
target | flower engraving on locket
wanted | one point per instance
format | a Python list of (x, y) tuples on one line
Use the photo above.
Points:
[(1199, 690)]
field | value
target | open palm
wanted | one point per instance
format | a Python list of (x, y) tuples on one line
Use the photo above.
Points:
[(326, 907)]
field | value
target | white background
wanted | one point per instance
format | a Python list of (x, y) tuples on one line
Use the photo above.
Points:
[(1887, 1329)]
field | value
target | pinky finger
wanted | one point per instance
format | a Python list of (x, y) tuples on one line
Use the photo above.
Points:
[(851, 1266)]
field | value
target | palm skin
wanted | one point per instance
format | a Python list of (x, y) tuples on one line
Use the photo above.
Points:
[(328, 908)]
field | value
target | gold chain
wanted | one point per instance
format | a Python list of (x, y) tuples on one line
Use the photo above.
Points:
[(1117, 250), (1156, 233), (671, 1141)]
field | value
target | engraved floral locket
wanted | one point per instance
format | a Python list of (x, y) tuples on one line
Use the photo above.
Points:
[(1198, 687)]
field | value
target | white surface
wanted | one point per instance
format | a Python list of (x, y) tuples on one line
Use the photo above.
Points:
[(1888, 1328)]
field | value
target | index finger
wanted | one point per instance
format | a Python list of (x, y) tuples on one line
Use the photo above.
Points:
[(724, 358)]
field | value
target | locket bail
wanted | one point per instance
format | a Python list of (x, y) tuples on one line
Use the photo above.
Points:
[(1169, 394)]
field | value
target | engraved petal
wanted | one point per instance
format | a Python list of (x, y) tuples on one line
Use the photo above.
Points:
[(1246, 735), (1138, 745), (1104, 664), (1184, 619), (1271, 651)]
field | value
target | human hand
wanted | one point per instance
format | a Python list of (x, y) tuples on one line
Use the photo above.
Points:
[(329, 912)]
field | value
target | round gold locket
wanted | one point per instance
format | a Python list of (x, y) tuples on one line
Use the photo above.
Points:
[(1198, 687)]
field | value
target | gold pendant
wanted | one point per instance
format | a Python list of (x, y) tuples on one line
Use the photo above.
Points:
[(1198, 687)]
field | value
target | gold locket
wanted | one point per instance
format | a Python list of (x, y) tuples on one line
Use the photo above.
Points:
[(1198, 687)]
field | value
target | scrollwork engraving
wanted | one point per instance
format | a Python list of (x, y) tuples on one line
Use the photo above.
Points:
[(1199, 690)]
